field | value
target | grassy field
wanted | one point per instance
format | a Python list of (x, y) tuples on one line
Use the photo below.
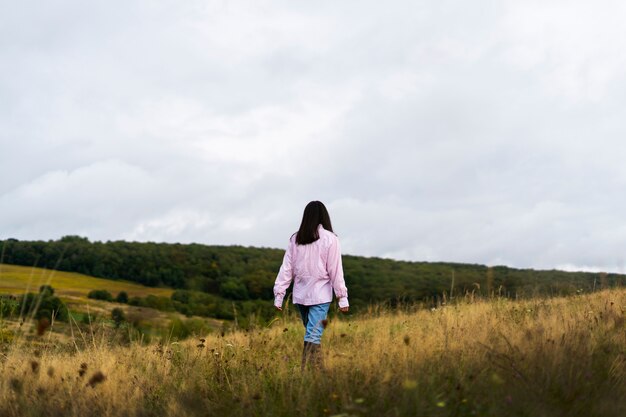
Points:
[(19, 279), (73, 288), (541, 357)]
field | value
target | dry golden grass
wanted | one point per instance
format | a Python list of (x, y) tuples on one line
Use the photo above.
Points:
[(67, 285), (542, 357)]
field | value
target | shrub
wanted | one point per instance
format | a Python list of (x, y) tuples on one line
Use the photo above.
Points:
[(118, 316), (8, 306), (100, 295), (158, 303), (46, 288), (137, 302), (47, 306), (122, 297)]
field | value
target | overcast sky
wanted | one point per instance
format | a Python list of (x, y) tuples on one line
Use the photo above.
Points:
[(486, 132)]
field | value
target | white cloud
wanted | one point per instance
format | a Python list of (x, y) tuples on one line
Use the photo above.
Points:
[(480, 132)]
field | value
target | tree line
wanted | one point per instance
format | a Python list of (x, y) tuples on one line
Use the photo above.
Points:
[(216, 281)]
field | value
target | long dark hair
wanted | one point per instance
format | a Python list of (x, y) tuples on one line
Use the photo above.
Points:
[(315, 213)]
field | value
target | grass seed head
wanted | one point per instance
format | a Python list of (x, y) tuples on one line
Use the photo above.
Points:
[(34, 366), (82, 370), (96, 379)]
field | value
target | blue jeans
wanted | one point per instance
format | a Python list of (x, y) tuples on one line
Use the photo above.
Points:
[(312, 317)]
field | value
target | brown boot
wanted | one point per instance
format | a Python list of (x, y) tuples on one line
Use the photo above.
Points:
[(306, 355), (317, 357)]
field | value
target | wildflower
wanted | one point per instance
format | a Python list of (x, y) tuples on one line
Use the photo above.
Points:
[(441, 404), (406, 339)]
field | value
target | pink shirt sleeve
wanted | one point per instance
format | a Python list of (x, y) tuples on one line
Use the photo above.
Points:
[(335, 272), (285, 276)]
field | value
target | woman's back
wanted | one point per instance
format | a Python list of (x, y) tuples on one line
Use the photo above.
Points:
[(310, 260), (315, 269)]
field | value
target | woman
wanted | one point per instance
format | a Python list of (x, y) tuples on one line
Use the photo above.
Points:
[(313, 261)]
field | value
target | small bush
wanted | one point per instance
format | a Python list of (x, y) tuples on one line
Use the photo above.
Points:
[(118, 316), (100, 295), (137, 302), (122, 297), (46, 288)]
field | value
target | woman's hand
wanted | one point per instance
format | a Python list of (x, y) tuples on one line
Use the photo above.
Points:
[(343, 309), (279, 308)]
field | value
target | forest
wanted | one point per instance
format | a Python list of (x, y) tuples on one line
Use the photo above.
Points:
[(223, 281)]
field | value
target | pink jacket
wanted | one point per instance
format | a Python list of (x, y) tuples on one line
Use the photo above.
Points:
[(316, 270)]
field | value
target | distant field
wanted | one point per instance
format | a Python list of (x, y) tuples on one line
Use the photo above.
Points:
[(73, 288), (19, 279)]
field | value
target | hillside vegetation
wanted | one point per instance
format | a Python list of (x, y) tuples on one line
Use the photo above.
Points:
[(48, 296), (16, 279), (214, 274), (489, 357)]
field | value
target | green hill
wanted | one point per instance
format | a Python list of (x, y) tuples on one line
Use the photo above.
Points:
[(15, 279), (147, 310), (221, 277)]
